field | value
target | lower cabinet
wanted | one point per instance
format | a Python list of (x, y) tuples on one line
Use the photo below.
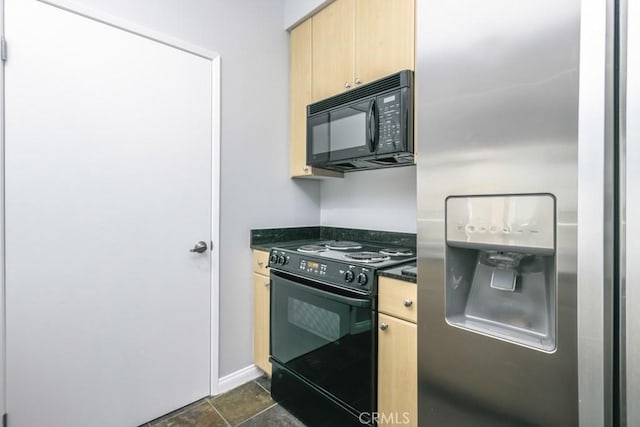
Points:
[(397, 369), (261, 301)]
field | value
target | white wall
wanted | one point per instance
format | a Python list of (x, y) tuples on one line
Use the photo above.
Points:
[(255, 187), (296, 10), (383, 199)]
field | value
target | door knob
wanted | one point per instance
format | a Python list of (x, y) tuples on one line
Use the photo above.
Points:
[(199, 247)]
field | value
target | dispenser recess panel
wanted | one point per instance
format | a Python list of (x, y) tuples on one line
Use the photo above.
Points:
[(506, 221)]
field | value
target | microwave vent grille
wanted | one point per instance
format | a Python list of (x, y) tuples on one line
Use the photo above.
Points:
[(395, 81)]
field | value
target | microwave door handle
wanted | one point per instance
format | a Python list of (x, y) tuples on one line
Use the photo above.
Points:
[(373, 126)]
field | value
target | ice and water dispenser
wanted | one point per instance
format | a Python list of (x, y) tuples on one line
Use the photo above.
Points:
[(501, 267)]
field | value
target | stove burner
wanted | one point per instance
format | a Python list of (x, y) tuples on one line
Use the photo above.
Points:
[(343, 245), (397, 252), (310, 249), (371, 257)]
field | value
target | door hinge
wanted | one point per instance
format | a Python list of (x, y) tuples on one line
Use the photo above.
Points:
[(3, 49)]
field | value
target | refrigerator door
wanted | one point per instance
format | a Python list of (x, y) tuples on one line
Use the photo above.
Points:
[(597, 195), (497, 110), (630, 215)]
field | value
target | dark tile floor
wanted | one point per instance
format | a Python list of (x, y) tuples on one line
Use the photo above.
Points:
[(249, 405)]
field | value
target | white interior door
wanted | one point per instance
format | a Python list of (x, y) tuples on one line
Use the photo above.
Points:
[(108, 186)]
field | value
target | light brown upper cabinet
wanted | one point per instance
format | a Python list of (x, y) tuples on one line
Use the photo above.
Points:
[(300, 92), (384, 38), (359, 41), (333, 49)]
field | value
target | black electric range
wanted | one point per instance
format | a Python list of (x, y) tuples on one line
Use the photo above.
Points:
[(323, 342)]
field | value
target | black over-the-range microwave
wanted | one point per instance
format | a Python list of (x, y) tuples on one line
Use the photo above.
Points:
[(369, 127)]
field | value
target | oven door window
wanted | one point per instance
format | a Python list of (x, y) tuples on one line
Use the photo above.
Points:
[(325, 338)]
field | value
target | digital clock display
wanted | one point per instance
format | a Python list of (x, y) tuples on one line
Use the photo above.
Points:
[(313, 265)]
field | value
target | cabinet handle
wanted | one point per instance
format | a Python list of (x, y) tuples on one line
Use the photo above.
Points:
[(306, 168), (408, 303), (347, 85), (384, 326), (266, 284), (260, 263), (358, 81)]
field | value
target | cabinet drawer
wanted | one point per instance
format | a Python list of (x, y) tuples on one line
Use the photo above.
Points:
[(260, 262), (398, 298)]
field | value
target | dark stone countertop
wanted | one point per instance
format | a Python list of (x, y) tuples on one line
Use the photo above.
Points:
[(268, 245), (396, 272), (267, 238)]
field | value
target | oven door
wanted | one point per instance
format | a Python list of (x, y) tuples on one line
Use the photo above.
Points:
[(325, 338), (345, 133)]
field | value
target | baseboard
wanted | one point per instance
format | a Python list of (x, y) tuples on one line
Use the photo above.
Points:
[(239, 377)]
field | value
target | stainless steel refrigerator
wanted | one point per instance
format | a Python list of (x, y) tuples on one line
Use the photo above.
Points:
[(528, 130)]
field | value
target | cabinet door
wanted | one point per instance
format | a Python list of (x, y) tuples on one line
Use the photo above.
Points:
[(397, 371), (300, 91), (333, 41), (384, 41), (301, 95), (261, 322)]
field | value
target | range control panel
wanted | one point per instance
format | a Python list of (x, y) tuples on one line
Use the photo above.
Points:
[(313, 267), (334, 272)]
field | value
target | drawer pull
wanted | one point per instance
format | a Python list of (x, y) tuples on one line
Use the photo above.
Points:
[(408, 303), (266, 284), (260, 263), (384, 326)]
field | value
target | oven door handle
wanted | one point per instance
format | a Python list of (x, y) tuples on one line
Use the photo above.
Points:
[(353, 302)]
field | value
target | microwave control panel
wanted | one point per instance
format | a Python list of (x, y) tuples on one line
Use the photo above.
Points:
[(390, 127)]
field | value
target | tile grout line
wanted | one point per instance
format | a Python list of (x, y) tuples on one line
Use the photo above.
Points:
[(259, 413), (264, 388), (219, 413), (181, 411)]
